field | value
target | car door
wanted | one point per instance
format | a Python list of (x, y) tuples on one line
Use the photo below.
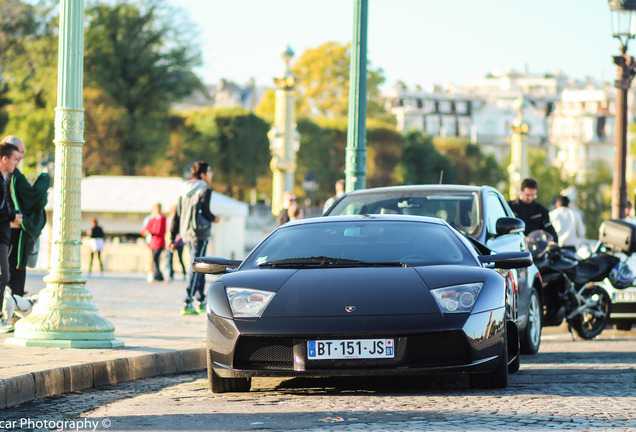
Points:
[(494, 208)]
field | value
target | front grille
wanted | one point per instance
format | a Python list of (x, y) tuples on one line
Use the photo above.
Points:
[(264, 353), (438, 349), (623, 307)]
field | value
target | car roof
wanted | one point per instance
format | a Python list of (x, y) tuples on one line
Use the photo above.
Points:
[(373, 217), (422, 188)]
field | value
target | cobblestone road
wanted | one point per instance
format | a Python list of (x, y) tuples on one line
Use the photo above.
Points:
[(580, 385)]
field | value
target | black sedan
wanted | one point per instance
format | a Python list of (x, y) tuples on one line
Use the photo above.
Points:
[(481, 213), (362, 295)]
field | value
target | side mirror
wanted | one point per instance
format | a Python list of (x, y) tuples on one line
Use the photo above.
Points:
[(507, 260), (214, 265), (508, 225)]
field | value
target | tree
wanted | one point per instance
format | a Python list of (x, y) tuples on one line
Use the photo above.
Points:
[(471, 165), (548, 176), (233, 141), (323, 82), (141, 54), (422, 163), (384, 153), (28, 67)]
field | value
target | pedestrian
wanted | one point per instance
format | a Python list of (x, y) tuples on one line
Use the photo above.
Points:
[(97, 245), (178, 248), (283, 215), (567, 224), (9, 159), (294, 211), (29, 200), (526, 208), (628, 209), (193, 222), (340, 190), (156, 227)]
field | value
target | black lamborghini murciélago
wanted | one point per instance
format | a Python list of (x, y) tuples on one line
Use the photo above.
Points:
[(362, 295)]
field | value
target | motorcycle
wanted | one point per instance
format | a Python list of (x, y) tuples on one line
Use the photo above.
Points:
[(571, 286)]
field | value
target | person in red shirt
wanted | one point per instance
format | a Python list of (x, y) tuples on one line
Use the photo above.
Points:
[(156, 227)]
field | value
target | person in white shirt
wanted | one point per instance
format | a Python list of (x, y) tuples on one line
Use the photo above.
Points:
[(567, 223)]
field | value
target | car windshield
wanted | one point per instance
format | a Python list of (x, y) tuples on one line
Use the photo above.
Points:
[(460, 209), (360, 243)]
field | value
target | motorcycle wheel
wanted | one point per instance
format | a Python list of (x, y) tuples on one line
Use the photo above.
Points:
[(587, 325)]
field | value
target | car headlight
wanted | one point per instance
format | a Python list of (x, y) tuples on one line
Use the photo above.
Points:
[(458, 298), (248, 303)]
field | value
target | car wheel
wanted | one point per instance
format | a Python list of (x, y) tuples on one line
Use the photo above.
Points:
[(513, 367), (531, 337), (623, 325), (225, 385), (498, 378)]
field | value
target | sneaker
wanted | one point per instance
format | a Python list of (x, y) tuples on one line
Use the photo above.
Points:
[(5, 327), (201, 307), (188, 309), (150, 277)]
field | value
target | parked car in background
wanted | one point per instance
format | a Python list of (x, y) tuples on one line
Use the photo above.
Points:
[(362, 295), (481, 213)]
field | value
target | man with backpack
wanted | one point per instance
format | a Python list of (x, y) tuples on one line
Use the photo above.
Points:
[(193, 222)]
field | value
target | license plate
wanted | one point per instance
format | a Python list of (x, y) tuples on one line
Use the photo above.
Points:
[(624, 296), (350, 349)]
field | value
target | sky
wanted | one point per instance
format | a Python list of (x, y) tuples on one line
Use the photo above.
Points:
[(416, 41)]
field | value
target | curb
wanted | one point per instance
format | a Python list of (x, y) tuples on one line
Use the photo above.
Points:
[(53, 382)]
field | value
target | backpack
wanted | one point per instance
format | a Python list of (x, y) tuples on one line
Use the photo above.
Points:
[(200, 224)]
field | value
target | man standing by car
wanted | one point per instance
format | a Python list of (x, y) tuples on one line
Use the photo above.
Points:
[(531, 212)]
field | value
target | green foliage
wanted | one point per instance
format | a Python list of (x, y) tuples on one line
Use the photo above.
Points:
[(422, 163), (141, 54), (384, 153), (323, 82), (472, 167), (233, 141), (548, 176), (594, 198), (322, 151)]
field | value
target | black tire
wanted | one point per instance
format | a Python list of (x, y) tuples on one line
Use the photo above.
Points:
[(531, 337), (513, 366), (224, 385), (498, 378), (588, 325), (623, 325)]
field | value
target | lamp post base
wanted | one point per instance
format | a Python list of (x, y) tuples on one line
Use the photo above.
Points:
[(65, 317)]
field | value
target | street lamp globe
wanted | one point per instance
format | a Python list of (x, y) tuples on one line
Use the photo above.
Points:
[(623, 21)]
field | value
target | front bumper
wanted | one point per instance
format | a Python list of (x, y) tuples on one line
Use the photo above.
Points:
[(423, 344)]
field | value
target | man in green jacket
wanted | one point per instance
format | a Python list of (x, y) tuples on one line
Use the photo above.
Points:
[(29, 200)]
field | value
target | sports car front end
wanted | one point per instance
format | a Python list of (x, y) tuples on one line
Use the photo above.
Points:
[(315, 315)]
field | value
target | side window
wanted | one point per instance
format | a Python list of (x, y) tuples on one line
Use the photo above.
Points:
[(495, 210)]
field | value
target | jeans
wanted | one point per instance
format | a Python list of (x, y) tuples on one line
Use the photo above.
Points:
[(179, 251), (156, 264), (196, 281)]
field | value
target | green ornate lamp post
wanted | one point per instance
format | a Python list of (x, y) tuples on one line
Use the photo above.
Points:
[(283, 136), (356, 152), (624, 29), (65, 315)]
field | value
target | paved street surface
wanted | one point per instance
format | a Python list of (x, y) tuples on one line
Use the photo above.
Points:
[(573, 386), (157, 338)]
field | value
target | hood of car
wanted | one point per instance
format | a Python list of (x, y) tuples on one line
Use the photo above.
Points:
[(359, 292)]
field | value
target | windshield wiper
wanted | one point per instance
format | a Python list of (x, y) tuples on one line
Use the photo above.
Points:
[(324, 261)]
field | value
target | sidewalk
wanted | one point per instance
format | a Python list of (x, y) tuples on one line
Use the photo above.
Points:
[(157, 341)]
